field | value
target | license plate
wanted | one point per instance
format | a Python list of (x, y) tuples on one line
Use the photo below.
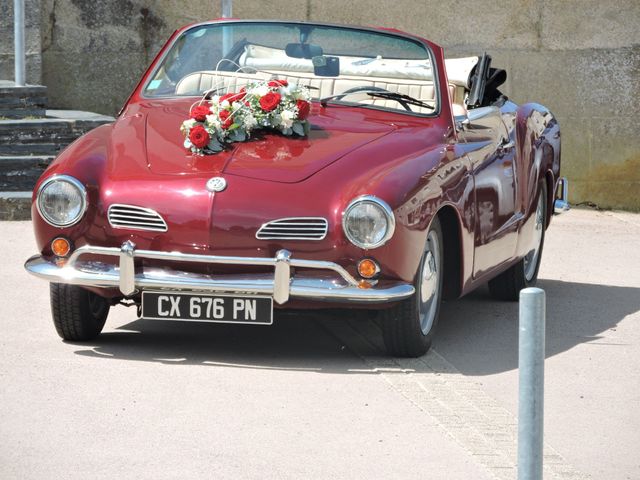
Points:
[(207, 308)]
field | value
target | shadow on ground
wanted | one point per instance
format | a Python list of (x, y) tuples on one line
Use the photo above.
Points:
[(477, 334)]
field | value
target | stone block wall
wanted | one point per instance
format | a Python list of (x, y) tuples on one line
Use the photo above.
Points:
[(581, 58)]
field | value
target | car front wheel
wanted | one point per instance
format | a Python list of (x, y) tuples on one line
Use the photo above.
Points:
[(408, 328), (78, 314)]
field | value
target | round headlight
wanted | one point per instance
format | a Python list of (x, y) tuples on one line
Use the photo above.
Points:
[(61, 201), (368, 222)]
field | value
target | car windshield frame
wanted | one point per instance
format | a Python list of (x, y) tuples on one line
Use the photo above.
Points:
[(437, 98)]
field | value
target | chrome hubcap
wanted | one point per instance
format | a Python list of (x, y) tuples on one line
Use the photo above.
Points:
[(429, 284), (531, 258)]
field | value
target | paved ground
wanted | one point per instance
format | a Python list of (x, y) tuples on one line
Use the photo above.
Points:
[(314, 396)]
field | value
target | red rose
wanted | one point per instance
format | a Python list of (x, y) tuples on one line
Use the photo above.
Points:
[(278, 83), (199, 136), (227, 118), (232, 97), (270, 101), (199, 113), (304, 108)]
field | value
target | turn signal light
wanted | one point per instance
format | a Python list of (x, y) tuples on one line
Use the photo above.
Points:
[(61, 247), (368, 268)]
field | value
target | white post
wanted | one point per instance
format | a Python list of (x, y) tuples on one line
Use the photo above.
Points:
[(227, 8), (531, 383), (227, 12), (18, 35)]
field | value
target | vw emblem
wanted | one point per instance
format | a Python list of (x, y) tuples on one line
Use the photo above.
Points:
[(216, 184)]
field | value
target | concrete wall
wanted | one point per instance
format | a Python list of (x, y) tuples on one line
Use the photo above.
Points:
[(32, 22), (581, 58)]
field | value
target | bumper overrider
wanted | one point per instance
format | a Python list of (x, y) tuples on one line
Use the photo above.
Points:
[(331, 283)]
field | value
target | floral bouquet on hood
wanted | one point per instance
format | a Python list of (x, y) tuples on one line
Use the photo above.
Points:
[(272, 104)]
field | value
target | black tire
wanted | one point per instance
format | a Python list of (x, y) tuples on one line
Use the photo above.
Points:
[(401, 325), (508, 284), (78, 314)]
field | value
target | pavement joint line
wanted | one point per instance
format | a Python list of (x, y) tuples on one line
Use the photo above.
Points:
[(457, 404)]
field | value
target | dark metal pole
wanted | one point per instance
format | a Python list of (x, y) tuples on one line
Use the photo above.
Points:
[(18, 39), (531, 383)]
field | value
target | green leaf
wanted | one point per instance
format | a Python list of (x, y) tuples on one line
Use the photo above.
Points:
[(215, 145), (237, 136), (298, 129)]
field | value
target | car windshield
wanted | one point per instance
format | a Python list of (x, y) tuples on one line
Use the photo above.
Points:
[(330, 60)]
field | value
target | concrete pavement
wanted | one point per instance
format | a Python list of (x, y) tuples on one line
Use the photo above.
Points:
[(315, 397)]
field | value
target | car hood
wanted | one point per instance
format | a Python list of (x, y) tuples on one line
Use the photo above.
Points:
[(335, 132)]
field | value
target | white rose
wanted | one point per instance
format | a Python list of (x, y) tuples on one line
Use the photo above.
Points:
[(287, 118), (261, 90)]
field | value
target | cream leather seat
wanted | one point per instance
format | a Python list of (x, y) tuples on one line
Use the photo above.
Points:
[(410, 77), (198, 82)]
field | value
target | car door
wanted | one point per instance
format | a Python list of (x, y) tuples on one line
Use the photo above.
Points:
[(490, 146)]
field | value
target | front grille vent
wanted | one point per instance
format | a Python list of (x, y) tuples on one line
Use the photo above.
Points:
[(137, 218), (297, 228)]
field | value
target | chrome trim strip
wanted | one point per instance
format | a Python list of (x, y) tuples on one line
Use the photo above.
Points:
[(335, 285), (76, 183), (133, 217)]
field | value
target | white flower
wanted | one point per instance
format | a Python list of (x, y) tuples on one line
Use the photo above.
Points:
[(261, 91), (250, 122), (287, 118), (224, 104), (189, 123), (215, 99), (213, 120)]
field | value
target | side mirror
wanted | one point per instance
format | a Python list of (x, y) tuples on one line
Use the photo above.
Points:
[(479, 113), (477, 119)]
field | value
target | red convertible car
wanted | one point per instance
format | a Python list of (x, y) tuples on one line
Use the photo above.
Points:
[(292, 165)]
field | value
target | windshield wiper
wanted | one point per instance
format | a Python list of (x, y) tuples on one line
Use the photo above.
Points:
[(401, 98)]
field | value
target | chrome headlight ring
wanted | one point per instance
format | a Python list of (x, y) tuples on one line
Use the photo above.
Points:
[(382, 208), (80, 206)]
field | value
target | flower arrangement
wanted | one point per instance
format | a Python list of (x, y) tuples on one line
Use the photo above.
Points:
[(272, 104)]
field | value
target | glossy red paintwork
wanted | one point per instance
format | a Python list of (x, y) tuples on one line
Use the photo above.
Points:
[(417, 165)]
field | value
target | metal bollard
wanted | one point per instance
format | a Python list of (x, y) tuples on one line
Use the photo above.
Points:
[(531, 383), (227, 8), (18, 40)]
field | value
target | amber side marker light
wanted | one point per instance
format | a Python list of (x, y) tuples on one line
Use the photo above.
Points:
[(60, 247), (368, 268)]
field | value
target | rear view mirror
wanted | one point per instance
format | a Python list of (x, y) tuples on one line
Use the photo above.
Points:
[(303, 50)]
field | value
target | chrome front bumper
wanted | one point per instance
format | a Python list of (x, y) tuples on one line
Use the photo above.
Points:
[(333, 283)]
